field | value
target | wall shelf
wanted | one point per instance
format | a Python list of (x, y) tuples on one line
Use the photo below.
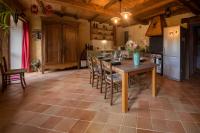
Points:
[(102, 31)]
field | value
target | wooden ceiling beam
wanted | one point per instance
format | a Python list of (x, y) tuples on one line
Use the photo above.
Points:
[(148, 6), (16, 5), (140, 9), (105, 21), (175, 11), (61, 14), (193, 5), (87, 1), (94, 17), (89, 7), (110, 3)]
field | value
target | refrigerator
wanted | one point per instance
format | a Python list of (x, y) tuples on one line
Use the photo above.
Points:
[(173, 52)]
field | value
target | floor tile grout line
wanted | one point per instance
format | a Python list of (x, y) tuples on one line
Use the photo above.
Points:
[(22, 124)]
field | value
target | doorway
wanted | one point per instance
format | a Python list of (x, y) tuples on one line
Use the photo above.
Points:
[(193, 47)]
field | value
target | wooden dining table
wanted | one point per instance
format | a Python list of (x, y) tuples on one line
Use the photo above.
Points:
[(125, 69)]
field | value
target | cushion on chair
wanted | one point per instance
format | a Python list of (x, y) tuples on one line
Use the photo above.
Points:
[(96, 68), (116, 77)]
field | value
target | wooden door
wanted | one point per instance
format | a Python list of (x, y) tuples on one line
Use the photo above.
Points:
[(52, 44), (69, 44)]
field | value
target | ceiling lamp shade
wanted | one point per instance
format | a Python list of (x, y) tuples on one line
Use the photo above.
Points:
[(125, 15), (115, 20)]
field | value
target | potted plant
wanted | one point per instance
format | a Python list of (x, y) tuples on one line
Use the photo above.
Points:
[(35, 65), (5, 13)]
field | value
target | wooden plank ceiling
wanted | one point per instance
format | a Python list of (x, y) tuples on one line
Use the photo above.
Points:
[(103, 10)]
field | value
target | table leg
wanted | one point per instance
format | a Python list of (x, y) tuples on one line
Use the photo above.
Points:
[(124, 92), (154, 82)]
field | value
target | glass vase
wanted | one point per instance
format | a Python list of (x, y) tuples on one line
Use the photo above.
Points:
[(136, 58)]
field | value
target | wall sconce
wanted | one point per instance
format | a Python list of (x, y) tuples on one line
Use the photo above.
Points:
[(173, 33)]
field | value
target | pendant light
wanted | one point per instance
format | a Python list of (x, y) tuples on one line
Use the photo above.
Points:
[(125, 15), (115, 20)]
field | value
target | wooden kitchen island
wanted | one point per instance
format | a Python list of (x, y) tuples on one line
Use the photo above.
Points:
[(125, 69)]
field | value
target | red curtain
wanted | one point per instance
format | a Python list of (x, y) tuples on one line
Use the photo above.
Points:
[(25, 47)]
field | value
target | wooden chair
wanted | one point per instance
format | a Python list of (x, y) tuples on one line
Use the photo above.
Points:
[(112, 81), (93, 70), (100, 74), (11, 75)]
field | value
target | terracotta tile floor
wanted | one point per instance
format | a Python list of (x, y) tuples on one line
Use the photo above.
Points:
[(64, 101)]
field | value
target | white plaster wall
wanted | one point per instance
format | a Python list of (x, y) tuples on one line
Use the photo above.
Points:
[(102, 45), (137, 33)]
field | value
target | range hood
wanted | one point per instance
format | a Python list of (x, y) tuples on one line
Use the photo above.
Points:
[(156, 26)]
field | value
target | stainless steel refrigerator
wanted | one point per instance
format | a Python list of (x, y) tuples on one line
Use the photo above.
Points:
[(173, 52)]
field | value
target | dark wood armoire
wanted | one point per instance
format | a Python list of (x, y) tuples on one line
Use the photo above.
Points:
[(60, 44)]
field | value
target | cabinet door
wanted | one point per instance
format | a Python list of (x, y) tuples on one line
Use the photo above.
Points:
[(69, 46), (53, 43), (172, 67)]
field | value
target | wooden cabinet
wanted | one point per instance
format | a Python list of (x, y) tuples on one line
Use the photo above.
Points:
[(60, 44)]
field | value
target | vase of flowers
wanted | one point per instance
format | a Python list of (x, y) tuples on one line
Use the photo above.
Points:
[(136, 56)]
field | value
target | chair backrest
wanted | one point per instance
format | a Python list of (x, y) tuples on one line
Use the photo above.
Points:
[(107, 69), (90, 63), (99, 64)]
